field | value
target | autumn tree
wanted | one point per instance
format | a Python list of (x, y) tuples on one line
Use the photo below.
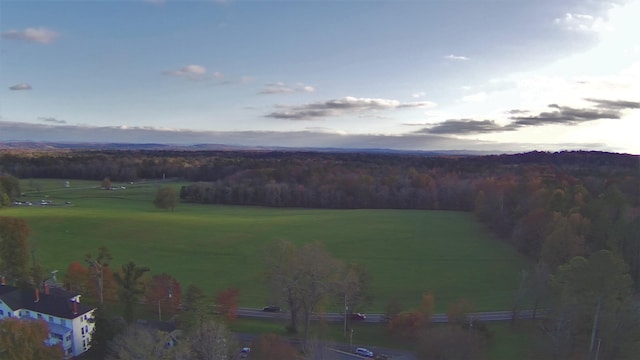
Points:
[(163, 290), (25, 340), (106, 183), (451, 343), (9, 189), (76, 277), (211, 340), (227, 303), (196, 308), (272, 347), (594, 300), (280, 272), (98, 265), (14, 249), (459, 312), (166, 198), (355, 282), (132, 285), (139, 342), (303, 277)]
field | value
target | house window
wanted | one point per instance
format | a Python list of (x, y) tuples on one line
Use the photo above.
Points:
[(62, 322), (69, 350), (1, 312), (68, 337), (82, 330), (39, 316), (28, 313)]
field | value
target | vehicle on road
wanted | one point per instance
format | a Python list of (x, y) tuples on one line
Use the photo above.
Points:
[(363, 352), (358, 316), (245, 352), (271, 308)]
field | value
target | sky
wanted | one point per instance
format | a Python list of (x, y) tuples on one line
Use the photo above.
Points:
[(476, 75)]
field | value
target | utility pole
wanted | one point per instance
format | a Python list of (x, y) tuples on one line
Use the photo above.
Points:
[(345, 314), (595, 328)]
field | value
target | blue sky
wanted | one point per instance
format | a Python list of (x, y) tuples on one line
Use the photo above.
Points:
[(488, 75)]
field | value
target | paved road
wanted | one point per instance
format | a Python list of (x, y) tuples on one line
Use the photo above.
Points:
[(340, 351), (373, 318)]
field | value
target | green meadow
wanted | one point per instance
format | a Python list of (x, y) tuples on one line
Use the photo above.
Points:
[(407, 252)]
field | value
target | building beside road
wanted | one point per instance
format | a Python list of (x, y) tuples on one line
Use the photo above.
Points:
[(70, 322)]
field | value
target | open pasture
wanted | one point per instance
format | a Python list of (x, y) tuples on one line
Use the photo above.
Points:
[(407, 252)]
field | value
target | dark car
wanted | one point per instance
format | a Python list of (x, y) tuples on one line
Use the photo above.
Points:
[(358, 316), (271, 308)]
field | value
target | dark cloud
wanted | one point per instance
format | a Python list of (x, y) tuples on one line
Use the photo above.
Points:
[(336, 107), (565, 115), (466, 126), (23, 86), (615, 104), (52, 120)]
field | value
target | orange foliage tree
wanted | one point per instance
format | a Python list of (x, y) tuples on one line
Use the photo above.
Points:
[(163, 290), (227, 303), (76, 278), (272, 347), (24, 340)]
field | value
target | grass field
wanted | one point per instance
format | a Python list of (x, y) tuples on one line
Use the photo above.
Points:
[(214, 247)]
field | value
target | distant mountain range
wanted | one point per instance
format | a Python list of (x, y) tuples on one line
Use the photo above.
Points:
[(32, 145)]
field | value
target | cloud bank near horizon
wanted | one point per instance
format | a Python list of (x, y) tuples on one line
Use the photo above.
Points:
[(57, 132)]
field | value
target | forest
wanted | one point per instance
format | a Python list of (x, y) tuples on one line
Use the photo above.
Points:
[(550, 206), (575, 214)]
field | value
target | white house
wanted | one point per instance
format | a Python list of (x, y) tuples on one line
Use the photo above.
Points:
[(70, 323)]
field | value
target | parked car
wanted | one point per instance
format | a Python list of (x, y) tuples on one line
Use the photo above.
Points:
[(358, 316), (271, 308), (245, 352), (363, 352)]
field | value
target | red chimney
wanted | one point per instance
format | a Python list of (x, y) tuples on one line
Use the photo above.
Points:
[(46, 289), (75, 307), (37, 295), (2, 280)]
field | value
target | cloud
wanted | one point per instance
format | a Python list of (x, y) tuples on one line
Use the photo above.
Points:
[(337, 107), (315, 138), (191, 72), (52, 120), (465, 126), (565, 115), (319, 138), (478, 97), (155, 2), (456, 57), (615, 104), (583, 23), (282, 88), (418, 95), (23, 86), (35, 35)]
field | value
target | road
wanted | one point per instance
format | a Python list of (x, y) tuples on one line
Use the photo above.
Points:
[(375, 318)]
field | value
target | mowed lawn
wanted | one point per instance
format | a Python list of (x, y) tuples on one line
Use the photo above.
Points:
[(407, 252)]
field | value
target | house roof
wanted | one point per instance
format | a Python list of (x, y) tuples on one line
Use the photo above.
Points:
[(50, 304)]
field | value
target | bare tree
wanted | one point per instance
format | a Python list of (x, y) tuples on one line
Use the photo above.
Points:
[(319, 274), (278, 257), (97, 265), (211, 340), (139, 342), (303, 277)]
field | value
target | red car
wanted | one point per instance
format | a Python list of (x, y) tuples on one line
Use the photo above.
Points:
[(358, 316)]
